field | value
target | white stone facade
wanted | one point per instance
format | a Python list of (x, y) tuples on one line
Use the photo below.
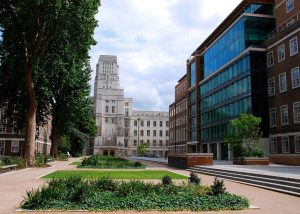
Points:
[(119, 128), (108, 108), (151, 127)]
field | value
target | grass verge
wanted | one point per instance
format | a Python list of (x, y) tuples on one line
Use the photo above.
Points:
[(138, 174)]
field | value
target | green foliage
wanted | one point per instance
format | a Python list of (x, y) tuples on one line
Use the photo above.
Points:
[(194, 179), (218, 187), (8, 160), (244, 137), (40, 160), (108, 195), (137, 164), (142, 148), (62, 157), (109, 162), (167, 180)]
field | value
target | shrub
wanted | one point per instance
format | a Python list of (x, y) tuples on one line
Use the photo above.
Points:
[(137, 164), (194, 179), (62, 157), (108, 195), (40, 160), (167, 180), (218, 187), (20, 162)]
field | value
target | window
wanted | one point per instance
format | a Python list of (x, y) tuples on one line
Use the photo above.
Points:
[(272, 117), (285, 144), (271, 86), (106, 109), (126, 133), (154, 133), (160, 142), (297, 144), (284, 114), (113, 109), (281, 53), (167, 133), (2, 121), (126, 112), (295, 77), (135, 123), (167, 123), (142, 123), (293, 46), (270, 59), (160, 123), (167, 142), (296, 111), (154, 142), (142, 132), (148, 133), (15, 146), (289, 6), (154, 123), (134, 142), (2, 148), (160, 133), (282, 83), (273, 142), (148, 123), (135, 132)]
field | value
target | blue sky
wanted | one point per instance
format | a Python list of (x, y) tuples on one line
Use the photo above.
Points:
[(152, 40)]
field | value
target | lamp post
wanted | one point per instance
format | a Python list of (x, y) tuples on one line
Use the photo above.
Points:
[(138, 141)]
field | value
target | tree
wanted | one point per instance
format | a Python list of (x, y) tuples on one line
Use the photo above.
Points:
[(28, 29), (142, 148), (244, 139)]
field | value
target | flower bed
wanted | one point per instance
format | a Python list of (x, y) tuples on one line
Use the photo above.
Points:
[(107, 195), (109, 162)]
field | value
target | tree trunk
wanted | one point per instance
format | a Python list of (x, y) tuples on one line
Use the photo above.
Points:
[(31, 117), (55, 138)]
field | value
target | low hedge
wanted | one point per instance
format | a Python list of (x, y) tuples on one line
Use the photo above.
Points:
[(109, 195), (109, 162)]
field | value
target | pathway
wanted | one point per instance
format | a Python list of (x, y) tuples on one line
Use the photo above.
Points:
[(13, 186)]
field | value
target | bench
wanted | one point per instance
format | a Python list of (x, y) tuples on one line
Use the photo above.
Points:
[(8, 168)]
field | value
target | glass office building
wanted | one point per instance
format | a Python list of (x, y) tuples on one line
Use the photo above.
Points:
[(233, 79)]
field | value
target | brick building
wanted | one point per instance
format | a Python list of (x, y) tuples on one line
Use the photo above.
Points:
[(283, 60)]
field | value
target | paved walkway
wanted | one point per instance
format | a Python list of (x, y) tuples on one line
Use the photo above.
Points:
[(13, 186)]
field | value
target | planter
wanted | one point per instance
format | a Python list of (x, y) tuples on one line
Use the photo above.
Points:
[(184, 161), (251, 161)]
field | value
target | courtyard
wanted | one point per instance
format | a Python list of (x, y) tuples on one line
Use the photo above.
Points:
[(13, 186)]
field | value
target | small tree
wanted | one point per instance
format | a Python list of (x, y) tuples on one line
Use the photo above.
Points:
[(244, 139), (142, 148)]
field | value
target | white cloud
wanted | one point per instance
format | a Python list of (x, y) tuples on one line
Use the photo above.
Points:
[(152, 40)]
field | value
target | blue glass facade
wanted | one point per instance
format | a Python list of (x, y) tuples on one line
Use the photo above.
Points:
[(247, 31), (229, 73), (193, 74), (255, 8)]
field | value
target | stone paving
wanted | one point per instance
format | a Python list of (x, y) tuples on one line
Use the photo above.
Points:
[(13, 186)]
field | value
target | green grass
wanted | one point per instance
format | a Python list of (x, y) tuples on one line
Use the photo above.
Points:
[(76, 163), (140, 174)]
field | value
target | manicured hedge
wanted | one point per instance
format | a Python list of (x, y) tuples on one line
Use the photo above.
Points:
[(109, 162), (106, 194)]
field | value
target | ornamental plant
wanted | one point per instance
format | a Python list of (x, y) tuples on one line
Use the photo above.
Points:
[(244, 139)]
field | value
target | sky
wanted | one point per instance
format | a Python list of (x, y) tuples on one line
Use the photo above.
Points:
[(152, 40)]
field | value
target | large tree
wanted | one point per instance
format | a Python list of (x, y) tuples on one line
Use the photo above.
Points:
[(29, 28)]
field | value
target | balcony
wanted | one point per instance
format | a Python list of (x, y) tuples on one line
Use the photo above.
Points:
[(290, 22)]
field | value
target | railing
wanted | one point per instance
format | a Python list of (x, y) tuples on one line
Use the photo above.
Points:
[(285, 25)]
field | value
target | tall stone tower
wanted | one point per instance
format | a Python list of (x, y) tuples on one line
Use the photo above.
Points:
[(108, 108)]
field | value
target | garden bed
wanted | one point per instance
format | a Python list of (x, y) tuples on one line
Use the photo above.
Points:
[(138, 174), (109, 162), (105, 194)]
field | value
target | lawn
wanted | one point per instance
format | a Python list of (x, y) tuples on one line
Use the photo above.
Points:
[(76, 163), (139, 174)]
